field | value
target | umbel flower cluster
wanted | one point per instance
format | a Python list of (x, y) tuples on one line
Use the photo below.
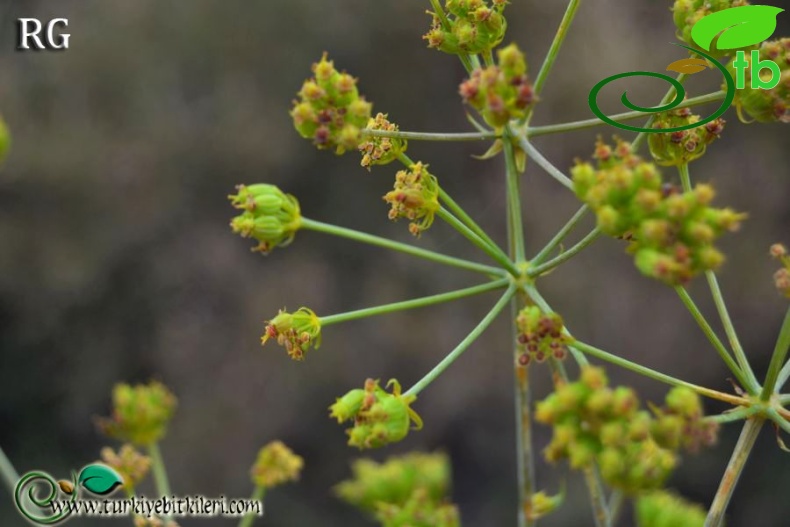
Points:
[(378, 150), (540, 336), (330, 110), (378, 417), (140, 413), (469, 26), (664, 509), (782, 276), (409, 490), (415, 197), (761, 105), (276, 464), (297, 332), (671, 232), (500, 92), (129, 463), (269, 215), (678, 148), (634, 450)]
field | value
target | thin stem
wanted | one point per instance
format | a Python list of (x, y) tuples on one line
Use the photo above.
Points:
[(525, 453), (729, 329), (601, 513), (713, 338), (453, 206), (514, 200), (535, 131), (785, 397), (458, 351), (160, 473), (751, 429), (721, 307), (559, 38), (257, 495), (777, 359), (642, 135), (544, 163), (655, 375), (431, 136), (488, 58), (8, 472), (494, 252), (781, 380), (616, 501), (415, 303), (566, 229), (400, 247), (564, 256), (734, 415)]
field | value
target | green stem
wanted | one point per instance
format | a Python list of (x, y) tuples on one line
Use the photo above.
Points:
[(494, 252), (785, 397), (458, 351), (525, 452), (712, 337), (559, 38), (514, 200), (453, 206), (431, 136), (777, 359), (751, 429), (8, 472), (601, 513), (544, 163), (257, 495), (400, 247), (616, 501), (564, 256), (734, 415), (781, 380), (729, 329), (535, 131), (560, 236), (415, 303), (778, 419), (671, 93), (721, 307), (653, 374), (160, 473), (488, 58)]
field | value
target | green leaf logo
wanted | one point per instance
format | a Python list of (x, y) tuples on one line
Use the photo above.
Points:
[(100, 479), (741, 27)]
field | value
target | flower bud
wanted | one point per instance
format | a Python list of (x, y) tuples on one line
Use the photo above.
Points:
[(541, 505), (140, 413), (381, 150), (782, 276), (330, 110), (297, 332), (500, 92), (541, 336), (269, 216), (276, 464), (129, 463), (415, 196)]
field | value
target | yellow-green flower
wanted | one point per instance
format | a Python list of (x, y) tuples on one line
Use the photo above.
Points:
[(415, 196), (297, 332), (276, 464), (678, 148), (140, 413), (128, 462), (470, 26), (378, 150), (782, 276)]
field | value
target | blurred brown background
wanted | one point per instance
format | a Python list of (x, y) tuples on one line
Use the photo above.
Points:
[(117, 264)]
